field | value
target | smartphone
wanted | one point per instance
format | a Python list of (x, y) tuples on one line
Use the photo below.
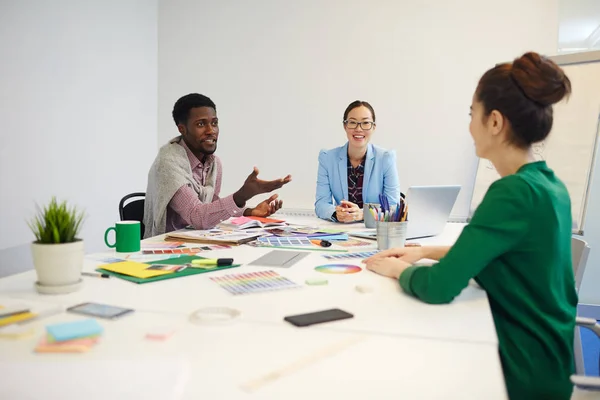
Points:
[(100, 310), (318, 317)]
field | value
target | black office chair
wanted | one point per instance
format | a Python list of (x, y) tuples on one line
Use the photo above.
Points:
[(133, 210)]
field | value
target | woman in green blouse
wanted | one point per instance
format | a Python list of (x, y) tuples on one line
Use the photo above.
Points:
[(517, 246)]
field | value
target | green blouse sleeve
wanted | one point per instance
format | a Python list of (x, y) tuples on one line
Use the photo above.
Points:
[(500, 222)]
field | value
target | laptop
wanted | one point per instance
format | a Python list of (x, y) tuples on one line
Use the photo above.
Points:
[(429, 208)]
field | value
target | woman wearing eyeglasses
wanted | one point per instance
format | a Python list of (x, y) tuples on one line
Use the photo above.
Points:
[(357, 172)]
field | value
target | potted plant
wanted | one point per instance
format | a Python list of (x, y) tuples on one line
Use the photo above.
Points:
[(57, 252)]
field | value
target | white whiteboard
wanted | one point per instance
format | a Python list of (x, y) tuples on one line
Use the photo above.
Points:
[(282, 73), (571, 146)]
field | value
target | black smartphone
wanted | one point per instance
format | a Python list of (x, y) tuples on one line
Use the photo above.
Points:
[(318, 317)]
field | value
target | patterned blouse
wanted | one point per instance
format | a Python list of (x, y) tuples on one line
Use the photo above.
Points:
[(355, 182)]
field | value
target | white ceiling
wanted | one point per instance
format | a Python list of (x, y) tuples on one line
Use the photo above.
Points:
[(579, 25)]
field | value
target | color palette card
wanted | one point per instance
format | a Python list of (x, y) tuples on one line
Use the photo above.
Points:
[(285, 241), (185, 250), (104, 258), (254, 282), (346, 256), (353, 243)]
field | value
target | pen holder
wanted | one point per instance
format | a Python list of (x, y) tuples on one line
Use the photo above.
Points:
[(368, 216), (391, 234)]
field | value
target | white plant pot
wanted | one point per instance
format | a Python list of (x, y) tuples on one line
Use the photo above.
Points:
[(58, 266)]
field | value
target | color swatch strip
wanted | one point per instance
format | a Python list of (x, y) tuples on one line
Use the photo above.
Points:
[(276, 241), (185, 250), (254, 282), (364, 254)]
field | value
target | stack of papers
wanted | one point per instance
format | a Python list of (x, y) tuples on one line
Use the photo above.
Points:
[(70, 337), (213, 237)]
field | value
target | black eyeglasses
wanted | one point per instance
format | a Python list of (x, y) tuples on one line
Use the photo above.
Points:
[(365, 125)]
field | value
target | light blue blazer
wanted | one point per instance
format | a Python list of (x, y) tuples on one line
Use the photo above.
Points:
[(381, 176)]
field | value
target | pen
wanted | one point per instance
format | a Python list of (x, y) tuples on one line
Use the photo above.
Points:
[(213, 261), (372, 211), (322, 243), (95, 275)]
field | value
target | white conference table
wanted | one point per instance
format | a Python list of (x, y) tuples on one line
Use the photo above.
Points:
[(404, 348)]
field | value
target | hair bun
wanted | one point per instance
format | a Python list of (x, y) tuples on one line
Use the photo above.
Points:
[(540, 79)]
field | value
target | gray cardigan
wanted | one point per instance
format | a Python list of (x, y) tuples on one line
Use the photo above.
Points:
[(170, 171)]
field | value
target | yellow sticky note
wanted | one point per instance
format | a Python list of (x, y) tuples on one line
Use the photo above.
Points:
[(16, 318), (132, 268)]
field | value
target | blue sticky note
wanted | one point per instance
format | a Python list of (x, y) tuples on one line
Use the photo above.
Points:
[(74, 330)]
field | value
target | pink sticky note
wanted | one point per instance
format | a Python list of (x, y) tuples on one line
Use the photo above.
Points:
[(160, 333)]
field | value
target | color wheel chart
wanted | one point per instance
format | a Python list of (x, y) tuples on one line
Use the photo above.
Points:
[(338, 269), (254, 282), (346, 256)]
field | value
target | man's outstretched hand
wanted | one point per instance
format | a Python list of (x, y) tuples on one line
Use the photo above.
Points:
[(254, 186), (265, 208)]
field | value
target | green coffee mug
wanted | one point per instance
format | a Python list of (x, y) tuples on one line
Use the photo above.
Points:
[(127, 236)]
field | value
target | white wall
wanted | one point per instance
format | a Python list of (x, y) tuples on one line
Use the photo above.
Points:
[(579, 25), (282, 73), (78, 87)]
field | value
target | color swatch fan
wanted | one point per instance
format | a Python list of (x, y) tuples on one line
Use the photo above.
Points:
[(254, 282)]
